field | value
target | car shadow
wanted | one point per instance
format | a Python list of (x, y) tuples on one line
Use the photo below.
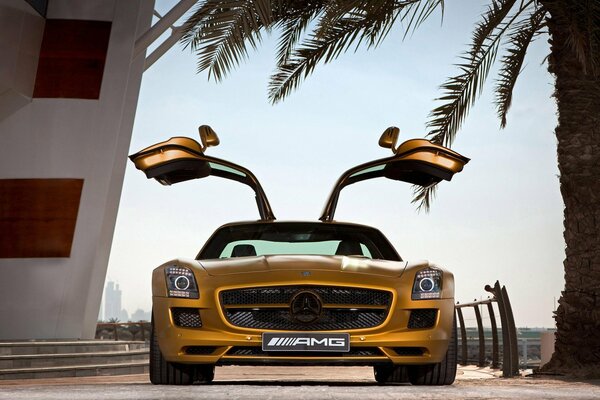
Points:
[(302, 383)]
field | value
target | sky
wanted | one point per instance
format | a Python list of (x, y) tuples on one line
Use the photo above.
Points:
[(499, 219)]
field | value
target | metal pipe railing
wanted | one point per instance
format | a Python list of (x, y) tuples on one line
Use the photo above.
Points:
[(495, 345), (510, 351), (463, 336)]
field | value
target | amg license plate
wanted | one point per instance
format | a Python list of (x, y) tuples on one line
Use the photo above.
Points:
[(300, 341)]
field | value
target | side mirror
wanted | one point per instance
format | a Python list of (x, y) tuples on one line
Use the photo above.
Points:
[(208, 137), (389, 138)]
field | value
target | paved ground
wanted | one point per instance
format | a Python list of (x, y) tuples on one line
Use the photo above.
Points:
[(263, 383)]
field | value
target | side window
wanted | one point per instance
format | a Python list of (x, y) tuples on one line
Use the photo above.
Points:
[(246, 246), (365, 251)]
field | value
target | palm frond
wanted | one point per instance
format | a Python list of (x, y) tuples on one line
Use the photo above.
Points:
[(519, 38), (337, 9), (584, 33), (418, 11), (424, 195), (264, 11), (333, 11), (576, 37), (461, 91), (388, 13), (490, 20), (368, 20), (291, 31), (313, 50), (220, 30)]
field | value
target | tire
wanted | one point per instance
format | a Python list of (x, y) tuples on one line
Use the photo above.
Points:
[(163, 372), (442, 373), (390, 374), (205, 373)]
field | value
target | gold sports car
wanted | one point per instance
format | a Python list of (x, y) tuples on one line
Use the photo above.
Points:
[(301, 293)]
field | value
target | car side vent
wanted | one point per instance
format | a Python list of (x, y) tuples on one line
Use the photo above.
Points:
[(186, 317), (408, 351), (200, 350), (422, 318)]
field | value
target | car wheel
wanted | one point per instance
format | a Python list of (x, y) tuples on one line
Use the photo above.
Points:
[(390, 374), (437, 374), (163, 372), (205, 373)]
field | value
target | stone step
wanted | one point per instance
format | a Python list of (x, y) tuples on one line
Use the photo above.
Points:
[(70, 359), (67, 347), (139, 367)]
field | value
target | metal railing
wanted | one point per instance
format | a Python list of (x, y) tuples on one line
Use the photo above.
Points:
[(123, 330), (510, 350)]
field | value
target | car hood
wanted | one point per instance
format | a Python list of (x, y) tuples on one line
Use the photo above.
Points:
[(347, 264)]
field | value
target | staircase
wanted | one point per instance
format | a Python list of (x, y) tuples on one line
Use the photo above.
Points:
[(57, 359)]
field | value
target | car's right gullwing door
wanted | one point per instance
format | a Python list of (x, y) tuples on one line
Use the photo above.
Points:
[(416, 161)]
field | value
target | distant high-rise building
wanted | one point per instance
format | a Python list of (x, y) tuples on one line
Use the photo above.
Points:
[(112, 301), (140, 315), (123, 316)]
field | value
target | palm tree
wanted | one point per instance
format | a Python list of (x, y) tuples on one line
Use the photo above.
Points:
[(317, 31)]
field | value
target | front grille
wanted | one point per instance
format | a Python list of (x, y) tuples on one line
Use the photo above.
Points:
[(284, 294), (408, 351), (330, 319), (258, 352), (422, 318), (199, 350), (186, 317), (343, 308)]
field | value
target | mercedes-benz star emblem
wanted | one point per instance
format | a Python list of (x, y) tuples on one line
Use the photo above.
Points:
[(305, 307)]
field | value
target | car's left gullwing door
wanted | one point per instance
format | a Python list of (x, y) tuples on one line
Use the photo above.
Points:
[(416, 161), (181, 159)]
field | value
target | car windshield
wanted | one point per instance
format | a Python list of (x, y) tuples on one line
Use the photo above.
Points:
[(297, 238)]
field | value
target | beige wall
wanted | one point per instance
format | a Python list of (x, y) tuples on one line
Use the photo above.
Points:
[(70, 138), (21, 30)]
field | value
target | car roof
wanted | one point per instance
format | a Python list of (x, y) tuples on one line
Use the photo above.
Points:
[(277, 222)]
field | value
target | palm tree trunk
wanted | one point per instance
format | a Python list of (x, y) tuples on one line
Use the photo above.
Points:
[(577, 94)]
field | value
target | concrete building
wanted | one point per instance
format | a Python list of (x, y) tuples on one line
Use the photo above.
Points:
[(70, 74)]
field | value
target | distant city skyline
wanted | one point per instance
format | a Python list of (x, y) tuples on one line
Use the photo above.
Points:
[(111, 306)]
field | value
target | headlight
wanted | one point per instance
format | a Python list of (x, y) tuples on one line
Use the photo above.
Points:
[(428, 284), (181, 283)]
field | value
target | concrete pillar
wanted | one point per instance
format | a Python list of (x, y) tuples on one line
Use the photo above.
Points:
[(76, 138)]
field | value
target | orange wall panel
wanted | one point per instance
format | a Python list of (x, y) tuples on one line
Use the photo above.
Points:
[(38, 216), (72, 59)]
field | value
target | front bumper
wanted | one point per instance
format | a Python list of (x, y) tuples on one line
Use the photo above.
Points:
[(219, 342)]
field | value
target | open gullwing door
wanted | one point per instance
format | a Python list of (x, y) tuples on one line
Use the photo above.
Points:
[(181, 159), (416, 161)]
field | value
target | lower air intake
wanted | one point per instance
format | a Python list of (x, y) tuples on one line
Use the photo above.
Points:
[(186, 317), (422, 318)]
